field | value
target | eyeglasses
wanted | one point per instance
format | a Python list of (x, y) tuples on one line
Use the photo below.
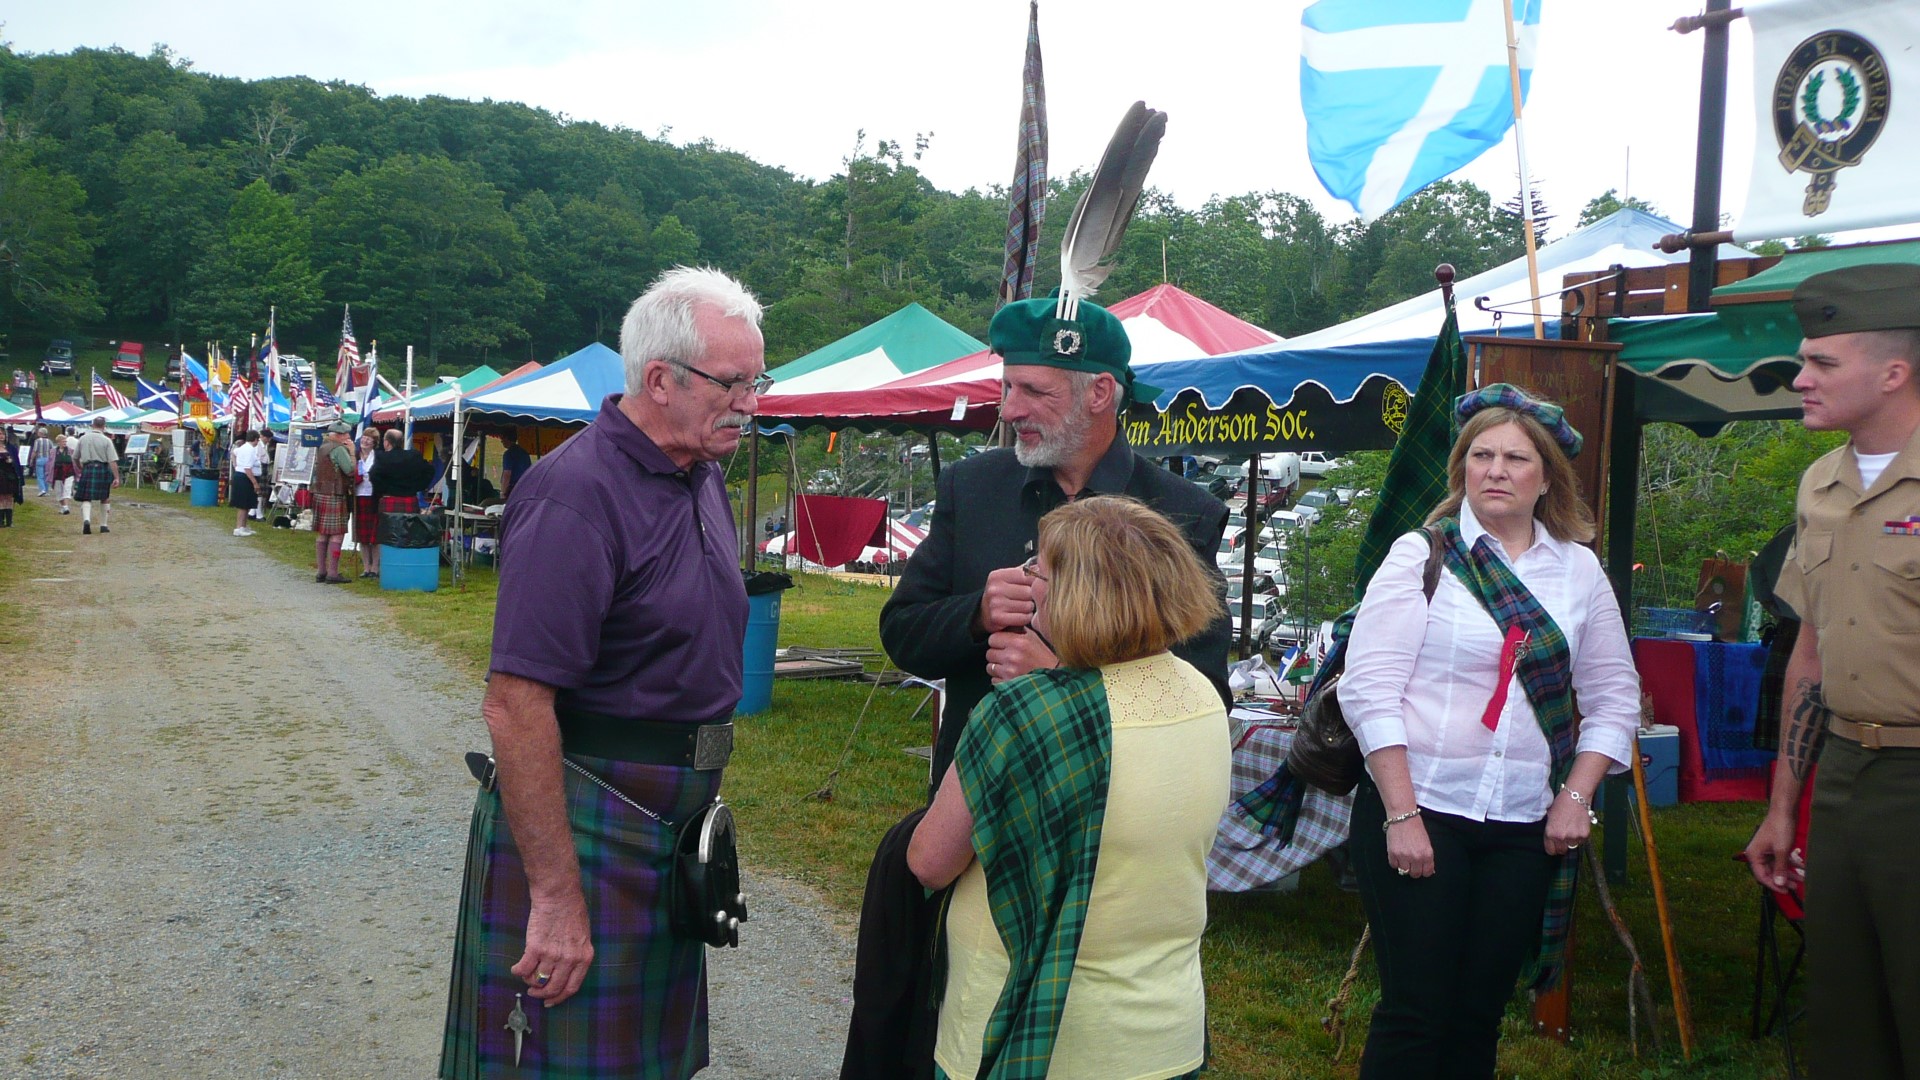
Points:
[(756, 386), (1031, 568)]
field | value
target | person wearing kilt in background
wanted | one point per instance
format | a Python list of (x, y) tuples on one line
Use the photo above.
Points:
[(615, 670), (333, 479), (99, 474), (243, 492), (366, 523)]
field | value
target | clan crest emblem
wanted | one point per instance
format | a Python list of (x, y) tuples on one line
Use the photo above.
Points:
[(1066, 342), (1829, 105), (1394, 403)]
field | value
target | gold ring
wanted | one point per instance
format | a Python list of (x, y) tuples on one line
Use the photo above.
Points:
[(542, 979)]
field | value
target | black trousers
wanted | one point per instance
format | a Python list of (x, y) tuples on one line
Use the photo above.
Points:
[(1449, 947)]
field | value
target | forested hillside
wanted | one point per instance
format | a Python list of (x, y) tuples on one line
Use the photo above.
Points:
[(139, 197)]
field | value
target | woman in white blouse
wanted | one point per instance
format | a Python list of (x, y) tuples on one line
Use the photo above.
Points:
[(1480, 787)]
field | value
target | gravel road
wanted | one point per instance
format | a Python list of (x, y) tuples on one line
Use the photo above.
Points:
[(205, 873)]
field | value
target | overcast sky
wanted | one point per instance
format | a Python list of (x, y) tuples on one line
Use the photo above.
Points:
[(792, 84)]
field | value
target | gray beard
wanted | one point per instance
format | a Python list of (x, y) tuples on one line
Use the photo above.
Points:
[(1058, 447)]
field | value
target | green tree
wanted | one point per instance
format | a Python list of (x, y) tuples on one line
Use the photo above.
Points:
[(262, 260), (425, 248), (1610, 202), (162, 227), (45, 245)]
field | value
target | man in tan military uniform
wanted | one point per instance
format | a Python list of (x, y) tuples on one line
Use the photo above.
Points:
[(1854, 677)]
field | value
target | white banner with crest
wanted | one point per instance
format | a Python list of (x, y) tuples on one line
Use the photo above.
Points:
[(1837, 108)]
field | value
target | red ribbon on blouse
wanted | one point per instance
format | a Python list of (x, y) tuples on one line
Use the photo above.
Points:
[(1516, 640)]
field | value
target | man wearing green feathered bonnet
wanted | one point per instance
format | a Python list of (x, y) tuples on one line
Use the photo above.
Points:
[(962, 608)]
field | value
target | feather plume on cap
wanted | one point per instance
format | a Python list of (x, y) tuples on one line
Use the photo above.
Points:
[(1100, 219)]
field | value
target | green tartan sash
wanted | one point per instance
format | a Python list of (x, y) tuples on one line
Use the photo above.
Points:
[(1034, 762), (1545, 670)]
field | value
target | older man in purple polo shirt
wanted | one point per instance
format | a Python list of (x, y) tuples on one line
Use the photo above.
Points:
[(616, 654)]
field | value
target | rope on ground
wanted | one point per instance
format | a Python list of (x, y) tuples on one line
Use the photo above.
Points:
[(824, 793), (1335, 1022)]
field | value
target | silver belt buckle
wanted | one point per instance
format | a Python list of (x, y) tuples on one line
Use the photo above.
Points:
[(712, 746)]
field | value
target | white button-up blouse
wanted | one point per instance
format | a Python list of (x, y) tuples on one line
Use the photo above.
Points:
[(1421, 675)]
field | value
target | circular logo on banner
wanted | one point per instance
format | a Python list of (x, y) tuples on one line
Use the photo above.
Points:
[(1393, 407), (1829, 104)]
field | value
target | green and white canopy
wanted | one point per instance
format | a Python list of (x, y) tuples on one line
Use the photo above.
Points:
[(1739, 361), (909, 340)]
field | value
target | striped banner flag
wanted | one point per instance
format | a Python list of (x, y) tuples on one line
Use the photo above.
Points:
[(114, 397), (1027, 195)]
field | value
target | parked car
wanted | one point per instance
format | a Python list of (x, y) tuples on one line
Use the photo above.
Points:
[(130, 360), (59, 357), (299, 364), (1315, 463)]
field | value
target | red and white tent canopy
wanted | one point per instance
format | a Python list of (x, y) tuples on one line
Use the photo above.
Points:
[(902, 539), (1163, 323)]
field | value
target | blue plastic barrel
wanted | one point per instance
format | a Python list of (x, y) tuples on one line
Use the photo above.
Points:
[(204, 492), (410, 568), (763, 633)]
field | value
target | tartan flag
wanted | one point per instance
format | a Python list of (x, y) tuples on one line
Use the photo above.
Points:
[(349, 374), (114, 397), (1417, 470), (1027, 195)]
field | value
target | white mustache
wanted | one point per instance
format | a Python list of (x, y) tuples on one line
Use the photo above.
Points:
[(734, 420)]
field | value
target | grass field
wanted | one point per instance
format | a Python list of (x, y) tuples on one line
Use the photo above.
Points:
[(1272, 960)]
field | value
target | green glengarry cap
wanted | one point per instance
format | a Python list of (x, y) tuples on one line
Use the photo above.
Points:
[(1031, 332), (1858, 299)]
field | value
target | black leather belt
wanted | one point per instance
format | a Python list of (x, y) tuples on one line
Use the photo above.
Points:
[(647, 742)]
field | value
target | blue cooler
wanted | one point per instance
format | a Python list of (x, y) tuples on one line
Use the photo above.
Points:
[(204, 492), (1660, 760), (763, 633), (410, 568)]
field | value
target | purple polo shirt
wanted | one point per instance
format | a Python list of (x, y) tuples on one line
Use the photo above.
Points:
[(619, 582)]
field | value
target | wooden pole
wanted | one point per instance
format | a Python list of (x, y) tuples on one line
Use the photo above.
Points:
[(1526, 182), (1682, 1011)]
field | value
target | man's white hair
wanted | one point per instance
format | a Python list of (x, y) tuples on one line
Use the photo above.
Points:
[(660, 325)]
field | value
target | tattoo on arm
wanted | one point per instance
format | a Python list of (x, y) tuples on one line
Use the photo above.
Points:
[(1806, 728)]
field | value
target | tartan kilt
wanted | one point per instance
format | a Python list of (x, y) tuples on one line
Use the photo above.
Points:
[(240, 492), (641, 1014), (399, 504), (95, 483), (366, 527), (330, 513)]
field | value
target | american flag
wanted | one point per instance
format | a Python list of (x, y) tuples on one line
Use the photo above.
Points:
[(348, 375), (114, 397)]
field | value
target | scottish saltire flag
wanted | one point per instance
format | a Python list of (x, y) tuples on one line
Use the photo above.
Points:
[(1400, 93), (150, 396), (114, 397)]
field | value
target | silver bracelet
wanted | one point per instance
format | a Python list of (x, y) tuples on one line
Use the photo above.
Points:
[(1392, 821), (1592, 818)]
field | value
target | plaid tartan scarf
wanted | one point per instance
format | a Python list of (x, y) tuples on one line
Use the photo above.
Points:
[(1545, 670), (1034, 761)]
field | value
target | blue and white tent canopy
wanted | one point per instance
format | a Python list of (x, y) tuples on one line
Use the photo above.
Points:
[(567, 391), (1396, 340)]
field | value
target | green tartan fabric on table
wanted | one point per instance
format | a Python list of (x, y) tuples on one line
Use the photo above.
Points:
[(1035, 762)]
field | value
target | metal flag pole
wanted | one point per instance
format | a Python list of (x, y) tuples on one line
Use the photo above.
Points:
[(1526, 183), (406, 390), (456, 474)]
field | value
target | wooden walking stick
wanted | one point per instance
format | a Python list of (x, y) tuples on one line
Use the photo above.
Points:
[(1682, 1011)]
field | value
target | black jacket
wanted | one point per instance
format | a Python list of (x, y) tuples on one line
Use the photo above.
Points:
[(896, 1012), (400, 472), (986, 516)]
